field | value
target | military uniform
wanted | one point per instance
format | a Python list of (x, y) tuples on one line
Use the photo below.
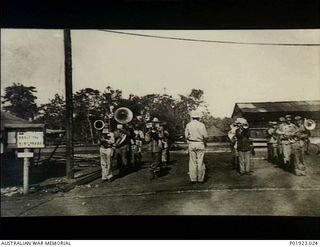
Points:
[(153, 140), (136, 146), (244, 148), (196, 134), (298, 148), (273, 142), (122, 145), (287, 131), (106, 142), (270, 142), (165, 148), (279, 145), (233, 143)]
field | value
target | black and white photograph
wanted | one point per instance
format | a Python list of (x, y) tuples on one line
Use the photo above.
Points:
[(100, 122)]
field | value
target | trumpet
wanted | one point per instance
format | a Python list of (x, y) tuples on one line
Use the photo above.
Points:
[(245, 126), (309, 124)]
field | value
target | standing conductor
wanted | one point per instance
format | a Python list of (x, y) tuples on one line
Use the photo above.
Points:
[(196, 135)]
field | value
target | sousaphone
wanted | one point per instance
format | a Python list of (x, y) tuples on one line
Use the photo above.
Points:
[(309, 124), (123, 115)]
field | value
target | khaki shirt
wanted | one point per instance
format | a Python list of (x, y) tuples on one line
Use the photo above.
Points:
[(286, 131), (107, 143), (196, 131), (271, 137), (154, 144)]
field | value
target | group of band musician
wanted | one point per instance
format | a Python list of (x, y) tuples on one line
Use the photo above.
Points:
[(286, 146), (124, 146), (287, 142)]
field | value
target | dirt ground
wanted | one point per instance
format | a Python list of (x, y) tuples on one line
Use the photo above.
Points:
[(268, 191)]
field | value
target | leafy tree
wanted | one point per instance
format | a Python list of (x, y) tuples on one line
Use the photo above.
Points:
[(221, 123), (109, 101), (174, 112), (162, 107), (53, 114), (90, 105), (20, 101), (186, 104), (86, 105)]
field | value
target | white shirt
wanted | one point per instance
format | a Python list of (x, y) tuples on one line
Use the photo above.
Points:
[(195, 131)]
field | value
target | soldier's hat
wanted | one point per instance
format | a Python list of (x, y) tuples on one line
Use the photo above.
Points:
[(297, 118), (274, 123), (119, 126), (282, 119), (242, 120), (270, 123), (155, 120), (195, 114), (288, 117)]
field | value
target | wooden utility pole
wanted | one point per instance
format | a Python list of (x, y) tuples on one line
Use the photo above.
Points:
[(69, 102)]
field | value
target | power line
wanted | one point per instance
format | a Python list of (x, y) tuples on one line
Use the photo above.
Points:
[(206, 40)]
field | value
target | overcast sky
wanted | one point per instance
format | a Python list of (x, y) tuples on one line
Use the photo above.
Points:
[(228, 73)]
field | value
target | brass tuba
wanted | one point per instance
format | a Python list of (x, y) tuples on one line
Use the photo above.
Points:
[(309, 124), (123, 115)]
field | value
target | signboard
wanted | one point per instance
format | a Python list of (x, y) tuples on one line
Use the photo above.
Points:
[(30, 139), (25, 155)]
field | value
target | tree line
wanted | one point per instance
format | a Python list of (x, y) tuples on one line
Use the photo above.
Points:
[(91, 104)]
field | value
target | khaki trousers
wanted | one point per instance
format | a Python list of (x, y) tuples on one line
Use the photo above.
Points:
[(105, 161), (122, 158), (244, 160), (155, 161), (196, 166), (269, 155), (298, 158), (287, 151)]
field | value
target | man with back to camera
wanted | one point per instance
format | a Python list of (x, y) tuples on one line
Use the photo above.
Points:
[(196, 135)]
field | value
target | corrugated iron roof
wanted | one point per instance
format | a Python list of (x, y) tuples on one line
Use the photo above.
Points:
[(288, 106)]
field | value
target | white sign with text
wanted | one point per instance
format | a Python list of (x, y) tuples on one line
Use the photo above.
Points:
[(30, 139)]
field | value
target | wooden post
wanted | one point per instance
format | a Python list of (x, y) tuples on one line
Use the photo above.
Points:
[(26, 164), (69, 102)]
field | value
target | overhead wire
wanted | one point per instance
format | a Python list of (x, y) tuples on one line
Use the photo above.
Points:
[(207, 40)]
